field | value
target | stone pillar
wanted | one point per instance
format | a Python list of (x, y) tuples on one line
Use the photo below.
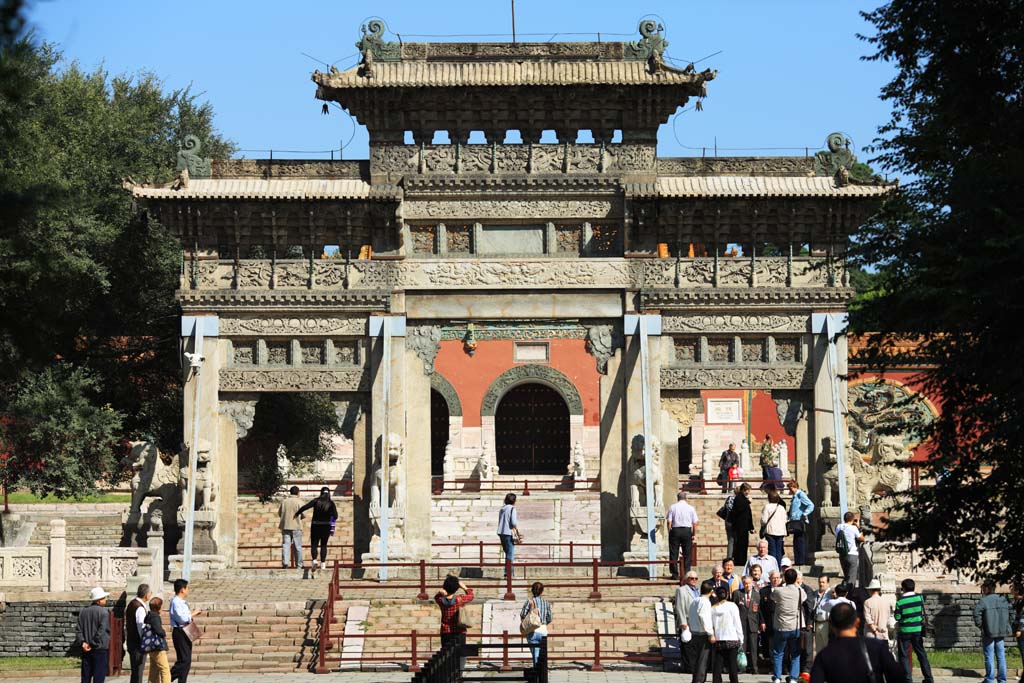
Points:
[(822, 426), (614, 454), (155, 543), (58, 556), (417, 458), (235, 420)]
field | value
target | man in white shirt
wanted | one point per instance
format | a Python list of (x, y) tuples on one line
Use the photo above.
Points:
[(703, 632), (848, 534), (762, 559), (681, 523), (181, 616), (683, 598)]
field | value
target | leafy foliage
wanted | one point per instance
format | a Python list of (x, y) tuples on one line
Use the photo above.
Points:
[(295, 422), (83, 278), (948, 251), (61, 441)]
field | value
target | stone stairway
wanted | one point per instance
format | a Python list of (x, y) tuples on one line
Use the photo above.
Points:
[(100, 529), (257, 637)]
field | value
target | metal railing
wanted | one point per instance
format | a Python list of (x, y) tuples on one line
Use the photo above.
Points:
[(311, 487), (523, 486), (407, 648), (594, 574)]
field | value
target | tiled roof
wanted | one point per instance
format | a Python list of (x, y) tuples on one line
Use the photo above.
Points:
[(418, 73), (764, 186), (251, 188)]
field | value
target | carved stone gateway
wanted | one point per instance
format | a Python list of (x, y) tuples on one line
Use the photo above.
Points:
[(508, 263)]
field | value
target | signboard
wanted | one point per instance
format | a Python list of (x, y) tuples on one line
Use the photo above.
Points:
[(724, 411)]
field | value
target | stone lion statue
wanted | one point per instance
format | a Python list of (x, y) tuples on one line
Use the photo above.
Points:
[(578, 464), (395, 484), (154, 476), (638, 485)]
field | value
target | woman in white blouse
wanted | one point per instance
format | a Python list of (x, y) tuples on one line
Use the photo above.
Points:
[(725, 618)]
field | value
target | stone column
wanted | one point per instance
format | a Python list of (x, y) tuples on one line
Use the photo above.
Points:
[(417, 458), (155, 542), (58, 556), (822, 425), (614, 455)]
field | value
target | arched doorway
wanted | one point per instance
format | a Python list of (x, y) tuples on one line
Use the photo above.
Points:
[(438, 432), (531, 427)]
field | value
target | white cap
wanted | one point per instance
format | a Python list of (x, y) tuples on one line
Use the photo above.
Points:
[(786, 562), (875, 585), (97, 593)]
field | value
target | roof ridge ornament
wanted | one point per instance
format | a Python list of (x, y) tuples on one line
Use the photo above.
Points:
[(373, 47), (190, 161), (650, 46), (839, 162)]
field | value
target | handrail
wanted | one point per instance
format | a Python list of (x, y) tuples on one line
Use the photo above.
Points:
[(703, 486), (409, 656), (508, 583), (524, 486)]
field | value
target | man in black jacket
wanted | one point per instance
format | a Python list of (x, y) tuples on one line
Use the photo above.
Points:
[(93, 636), (847, 657), (742, 522), (134, 617), (748, 598)]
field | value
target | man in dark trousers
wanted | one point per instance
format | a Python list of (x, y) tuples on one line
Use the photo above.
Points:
[(748, 598), (845, 659), (134, 617), (181, 616), (93, 635), (742, 522)]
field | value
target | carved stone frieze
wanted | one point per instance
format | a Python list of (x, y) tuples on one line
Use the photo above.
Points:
[(879, 409), (682, 408), (665, 298), (355, 379), (293, 326), (743, 166), (602, 342), (471, 209), (425, 341), (523, 331), (441, 385), (221, 300), (675, 378), (707, 322), (791, 408), (243, 413), (522, 374)]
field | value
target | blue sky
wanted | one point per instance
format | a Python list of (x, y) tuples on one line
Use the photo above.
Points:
[(789, 72)]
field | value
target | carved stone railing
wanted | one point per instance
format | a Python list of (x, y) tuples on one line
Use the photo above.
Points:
[(25, 567), (567, 158), (513, 272), (57, 567)]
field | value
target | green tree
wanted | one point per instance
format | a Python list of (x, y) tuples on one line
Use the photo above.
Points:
[(61, 440), (297, 422), (85, 279), (949, 251)]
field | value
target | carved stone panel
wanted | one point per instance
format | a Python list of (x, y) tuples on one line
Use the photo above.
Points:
[(674, 378), (292, 326), (243, 413), (509, 208), (355, 379), (704, 322), (682, 408), (425, 341)]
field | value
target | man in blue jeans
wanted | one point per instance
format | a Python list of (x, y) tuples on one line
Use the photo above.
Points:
[(788, 600), (992, 616)]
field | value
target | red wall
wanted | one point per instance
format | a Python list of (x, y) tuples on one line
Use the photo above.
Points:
[(472, 375), (759, 415)]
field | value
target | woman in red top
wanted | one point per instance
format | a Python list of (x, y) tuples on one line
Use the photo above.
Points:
[(450, 604)]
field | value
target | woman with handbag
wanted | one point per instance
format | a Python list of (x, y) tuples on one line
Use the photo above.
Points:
[(535, 615), (453, 621), (800, 509), (153, 640), (773, 524)]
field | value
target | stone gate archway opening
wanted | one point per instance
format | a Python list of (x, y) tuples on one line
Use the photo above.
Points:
[(531, 426), (439, 415)]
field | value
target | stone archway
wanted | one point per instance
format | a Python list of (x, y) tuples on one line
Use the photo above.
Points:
[(536, 375), (531, 427), (541, 374)]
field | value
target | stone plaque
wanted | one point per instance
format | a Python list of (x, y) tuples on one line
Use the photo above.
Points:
[(724, 411), (531, 352), (511, 239)]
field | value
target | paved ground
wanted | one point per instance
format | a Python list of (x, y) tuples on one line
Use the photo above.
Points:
[(613, 676)]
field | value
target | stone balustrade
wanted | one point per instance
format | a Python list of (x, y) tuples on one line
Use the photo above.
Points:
[(58, 567)]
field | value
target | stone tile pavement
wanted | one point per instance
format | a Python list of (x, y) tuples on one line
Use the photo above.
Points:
[(609, 676)]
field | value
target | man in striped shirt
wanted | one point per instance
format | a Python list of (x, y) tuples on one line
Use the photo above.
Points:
[(910, 630)]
